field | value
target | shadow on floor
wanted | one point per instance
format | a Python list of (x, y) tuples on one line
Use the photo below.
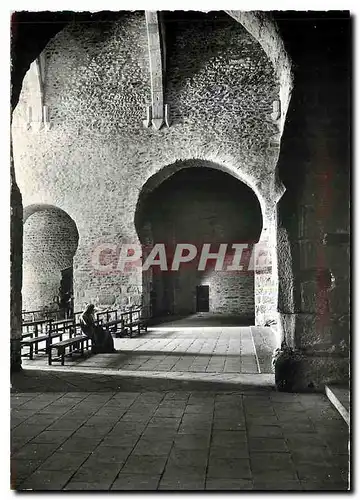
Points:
[(63, 381), (202, 319)]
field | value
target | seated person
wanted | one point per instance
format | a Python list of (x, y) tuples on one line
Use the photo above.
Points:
[(102, 341)]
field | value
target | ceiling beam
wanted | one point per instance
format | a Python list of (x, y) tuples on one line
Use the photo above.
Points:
[(158, 112)]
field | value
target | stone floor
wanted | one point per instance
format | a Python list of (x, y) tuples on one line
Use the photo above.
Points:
[(176, 440), (173, 414), (176, 348)]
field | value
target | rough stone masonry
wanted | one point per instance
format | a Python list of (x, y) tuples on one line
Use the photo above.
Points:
[(96, 157), (96, 89)]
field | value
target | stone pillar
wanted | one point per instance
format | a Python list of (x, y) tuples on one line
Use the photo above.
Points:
[(266, 274), (314, 302), (16, 235), (146, 240), (286, 288)]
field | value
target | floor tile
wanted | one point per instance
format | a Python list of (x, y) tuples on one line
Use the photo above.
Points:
[(86, 486), (64, 461), (108, 454), (21, 469), (267, 444), (188, 457), (229, 424), (52, 437), (36, 451), (96, 473), (135, 482), (168, 412), (310, 485), (151, 465), (265, 431), (46, 480), (187, 483), (229, 468), (192, 442), (230, 451), (279, 485), (79, 445), (221, 484), (153, 447), (229, 438)]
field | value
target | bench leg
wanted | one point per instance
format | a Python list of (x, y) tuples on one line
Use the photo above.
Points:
[(49, 356), (31, 354), (82, 348), (63, 358)]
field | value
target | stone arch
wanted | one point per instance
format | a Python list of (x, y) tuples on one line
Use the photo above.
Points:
[(257, 24), (265, 307), (50, 243), (262, 27), (162, 174)]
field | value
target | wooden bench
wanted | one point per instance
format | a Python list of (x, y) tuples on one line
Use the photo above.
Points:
[(109, 320), (122, 324), (63, 325), (33, 344), (36, 339), (75, 345), (54, 329), (107, 316), (34, 328), (72, 345), (76, 316), (133, 320), (115, 327), (42, 314)]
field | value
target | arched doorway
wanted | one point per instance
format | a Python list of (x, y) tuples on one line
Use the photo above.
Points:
[(199, 205), (50, 242)]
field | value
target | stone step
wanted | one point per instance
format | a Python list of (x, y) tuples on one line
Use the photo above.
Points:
[(339, 395)]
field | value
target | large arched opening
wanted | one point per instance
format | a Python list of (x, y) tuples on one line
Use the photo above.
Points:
[(50, 242), (264, 32), (196, 204)]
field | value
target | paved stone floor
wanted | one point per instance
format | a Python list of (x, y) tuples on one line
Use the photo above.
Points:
[(177, 349), (179, 417), (175, 440)]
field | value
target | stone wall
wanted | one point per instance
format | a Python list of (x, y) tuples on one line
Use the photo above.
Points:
[(16, 237), (96, 157)]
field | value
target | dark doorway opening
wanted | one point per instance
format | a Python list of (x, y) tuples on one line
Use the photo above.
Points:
[(202, 298), (66, 292)]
